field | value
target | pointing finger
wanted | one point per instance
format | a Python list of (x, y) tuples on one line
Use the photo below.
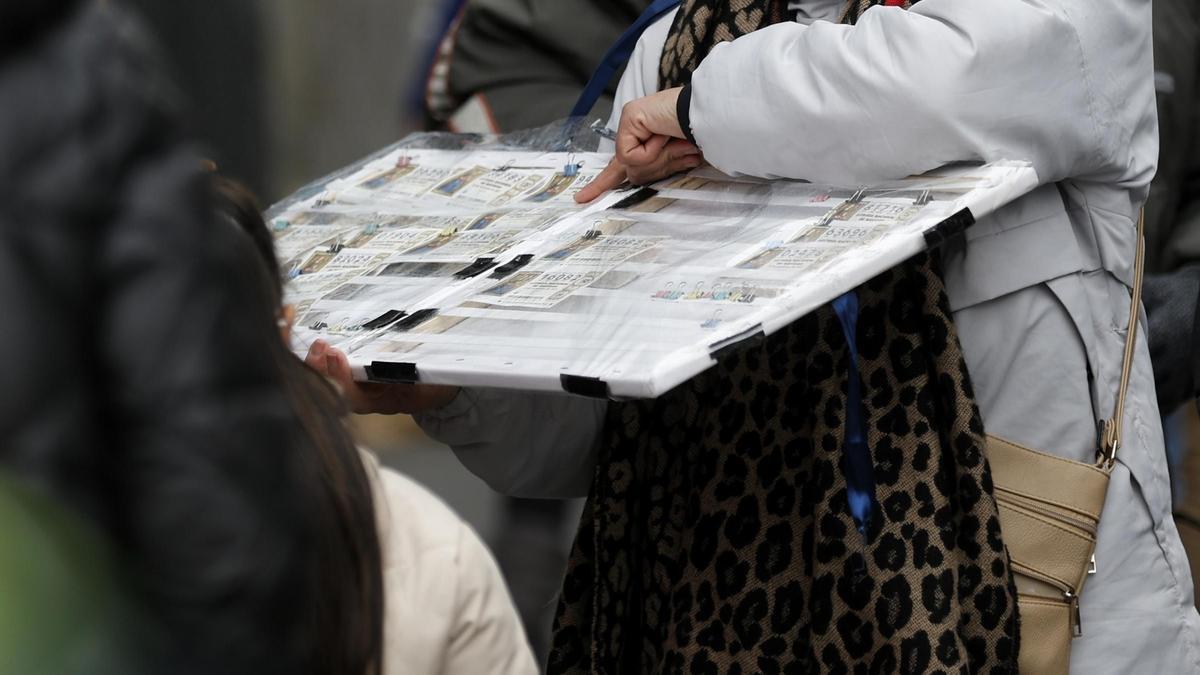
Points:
[(612, 176)]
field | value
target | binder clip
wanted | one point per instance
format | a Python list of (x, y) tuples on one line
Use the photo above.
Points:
[(512, 266), (392, 373), (713, 321), (580, 385), (752, 336), (571, 169), (600, 129)]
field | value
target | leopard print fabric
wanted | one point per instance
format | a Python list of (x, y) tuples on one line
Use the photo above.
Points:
[(855, 8), (699, 26), (717, 538)]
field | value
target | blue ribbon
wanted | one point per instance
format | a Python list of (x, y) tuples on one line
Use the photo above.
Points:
[(859, 465), (617, 55)]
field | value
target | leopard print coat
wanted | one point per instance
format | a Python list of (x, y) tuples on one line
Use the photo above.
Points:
[(718, 539)]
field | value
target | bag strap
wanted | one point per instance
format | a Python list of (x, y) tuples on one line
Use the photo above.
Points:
[(618, 55), (1112, 428)]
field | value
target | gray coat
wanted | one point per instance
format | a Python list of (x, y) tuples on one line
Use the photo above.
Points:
[(1039, 290)]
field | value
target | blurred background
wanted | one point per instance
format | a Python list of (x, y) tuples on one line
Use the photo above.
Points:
[(283, 91)]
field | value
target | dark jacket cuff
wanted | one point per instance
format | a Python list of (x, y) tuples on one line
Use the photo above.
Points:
[(683, 110)]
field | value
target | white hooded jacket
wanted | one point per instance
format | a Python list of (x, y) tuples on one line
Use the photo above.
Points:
[(447, 609)]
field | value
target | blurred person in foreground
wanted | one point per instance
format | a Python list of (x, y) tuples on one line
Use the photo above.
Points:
[(142, 397), (720, 511), (445, 608)]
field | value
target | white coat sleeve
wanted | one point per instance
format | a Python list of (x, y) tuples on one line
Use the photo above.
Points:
[(1056, 83), (522, 444)]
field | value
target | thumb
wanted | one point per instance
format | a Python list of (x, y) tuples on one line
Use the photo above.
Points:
[(338, 367)]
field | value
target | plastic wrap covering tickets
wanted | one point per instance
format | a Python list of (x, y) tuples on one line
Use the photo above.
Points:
[(459, 260)]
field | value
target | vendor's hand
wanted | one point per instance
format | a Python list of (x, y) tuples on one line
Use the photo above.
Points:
[(373, 397), (650, 146)]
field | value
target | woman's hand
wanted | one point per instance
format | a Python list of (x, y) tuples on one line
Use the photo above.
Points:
[(650, 146), (373, 397)]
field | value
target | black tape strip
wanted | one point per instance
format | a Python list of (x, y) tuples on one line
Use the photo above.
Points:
[(949, 228), (413, 320), (393, 373), (512, 265), (383, 319), (476, 268), (635, 198), (592, 387)]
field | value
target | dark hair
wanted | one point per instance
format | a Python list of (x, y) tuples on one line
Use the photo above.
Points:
[(241, 206), (348, 620)]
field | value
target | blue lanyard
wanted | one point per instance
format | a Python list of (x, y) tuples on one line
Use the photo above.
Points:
[(859, 464), (618, 55)]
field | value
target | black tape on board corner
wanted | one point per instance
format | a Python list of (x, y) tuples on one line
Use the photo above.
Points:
[(949, 228), (591, 387), (732, 343), (393, 373)]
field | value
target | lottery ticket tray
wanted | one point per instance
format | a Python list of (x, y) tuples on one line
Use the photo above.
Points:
[(469, 263)]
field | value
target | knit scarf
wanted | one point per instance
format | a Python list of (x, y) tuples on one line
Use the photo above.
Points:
[(717, 536)]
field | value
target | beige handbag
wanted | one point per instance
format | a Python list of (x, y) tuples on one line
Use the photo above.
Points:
[(1049, 511)]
